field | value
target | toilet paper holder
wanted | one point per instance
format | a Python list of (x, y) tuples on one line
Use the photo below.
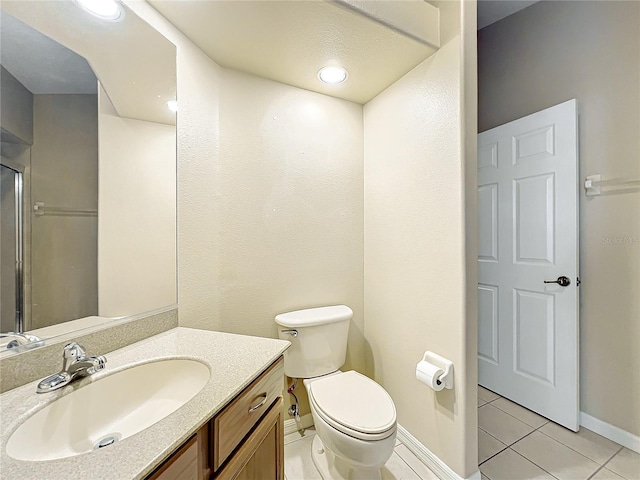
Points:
[(447, 365)]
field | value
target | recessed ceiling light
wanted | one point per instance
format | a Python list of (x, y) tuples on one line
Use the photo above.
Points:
[(106, 9), (172, 105), (332, 75)]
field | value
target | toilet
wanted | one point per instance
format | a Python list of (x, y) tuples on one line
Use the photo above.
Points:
[(355, 418)]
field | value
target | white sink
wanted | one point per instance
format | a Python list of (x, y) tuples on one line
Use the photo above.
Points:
[(114, 407)]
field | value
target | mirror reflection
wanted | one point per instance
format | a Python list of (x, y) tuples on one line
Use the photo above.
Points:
[(87, 181)]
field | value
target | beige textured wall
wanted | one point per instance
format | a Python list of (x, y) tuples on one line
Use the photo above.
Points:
[(290, 205), (137, 220), (539, 57), (270, 202), (270, 198), (415, 267), (64, 173), (290, 208), (470, 174), (198, 83), (281, 214)]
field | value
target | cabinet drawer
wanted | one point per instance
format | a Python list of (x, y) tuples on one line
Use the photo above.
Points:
[(237, 419)]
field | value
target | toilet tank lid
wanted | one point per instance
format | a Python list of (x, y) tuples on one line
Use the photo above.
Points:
[(314, 316)]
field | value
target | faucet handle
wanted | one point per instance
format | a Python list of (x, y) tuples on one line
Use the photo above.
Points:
[(72, 353), (73, 350), (99, 363)]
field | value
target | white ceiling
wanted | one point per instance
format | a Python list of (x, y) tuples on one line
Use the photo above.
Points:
[(41, 64), (490, 11), (289, 41)]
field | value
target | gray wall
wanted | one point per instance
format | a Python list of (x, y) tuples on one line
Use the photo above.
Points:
[(64, 173), (16, 125), (16, 109), (539, 57)]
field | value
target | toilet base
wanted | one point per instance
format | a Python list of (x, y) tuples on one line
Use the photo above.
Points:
[(332, 467)]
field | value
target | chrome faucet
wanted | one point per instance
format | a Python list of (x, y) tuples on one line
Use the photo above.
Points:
[(75, 364), (22, 339)]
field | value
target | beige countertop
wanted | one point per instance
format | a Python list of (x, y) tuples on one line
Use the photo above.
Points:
[(234, 361)]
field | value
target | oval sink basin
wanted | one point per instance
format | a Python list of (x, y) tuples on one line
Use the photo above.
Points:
[(108, 410)]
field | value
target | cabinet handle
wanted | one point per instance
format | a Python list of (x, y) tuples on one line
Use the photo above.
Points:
[(261, 403)]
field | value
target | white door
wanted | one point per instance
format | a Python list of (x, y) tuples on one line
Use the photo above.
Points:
[(528, 207)]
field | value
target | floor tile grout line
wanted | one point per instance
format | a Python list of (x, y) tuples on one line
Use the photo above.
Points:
[(602, 467), (513, 443), (515, 403), (507, 446), (539, 466), (529, 460), (493, 436), (596, 472), (405, 462), (549, 436), (535, 429), (490, 401), (546, 420), (522, 438), (580, 453), (497, 453), (612, 456), (512, 416)]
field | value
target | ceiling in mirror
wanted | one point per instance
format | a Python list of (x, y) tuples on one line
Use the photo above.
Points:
[(144, 81), (290, 41), (42, 65)]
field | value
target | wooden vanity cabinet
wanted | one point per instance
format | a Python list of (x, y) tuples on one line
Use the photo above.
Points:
[(244, 441), (261, 455)]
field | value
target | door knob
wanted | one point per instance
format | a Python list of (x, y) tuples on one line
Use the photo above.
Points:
[(562, 281)]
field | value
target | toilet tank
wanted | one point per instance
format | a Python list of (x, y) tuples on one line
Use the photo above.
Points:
[(318, 339)]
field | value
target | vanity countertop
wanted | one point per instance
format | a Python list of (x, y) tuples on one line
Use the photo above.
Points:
[(234, 360)]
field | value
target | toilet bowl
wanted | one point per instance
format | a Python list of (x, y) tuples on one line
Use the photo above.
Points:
[(355, 421), (355, 418)]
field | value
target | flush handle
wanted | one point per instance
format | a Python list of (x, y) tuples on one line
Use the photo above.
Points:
[(293, 333), (562, 281)]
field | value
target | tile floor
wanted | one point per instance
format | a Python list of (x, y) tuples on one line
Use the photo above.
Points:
[(516, 444), (298, 465)]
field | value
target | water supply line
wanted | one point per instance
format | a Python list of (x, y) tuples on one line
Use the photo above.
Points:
[(294, 409)]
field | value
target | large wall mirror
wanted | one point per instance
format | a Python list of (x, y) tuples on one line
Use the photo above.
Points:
[(88, 169)]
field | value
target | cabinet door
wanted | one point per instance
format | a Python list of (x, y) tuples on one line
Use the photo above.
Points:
[(190, 462), (234, 423), (182, 465), (261, 456)]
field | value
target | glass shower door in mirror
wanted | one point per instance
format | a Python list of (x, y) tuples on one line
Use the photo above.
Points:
[(11, 248)]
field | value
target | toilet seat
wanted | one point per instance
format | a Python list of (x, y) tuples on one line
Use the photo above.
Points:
[(354, 405)]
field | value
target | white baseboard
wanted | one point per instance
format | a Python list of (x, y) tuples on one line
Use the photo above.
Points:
[(613, 433), (427, 457), (290, 425)]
